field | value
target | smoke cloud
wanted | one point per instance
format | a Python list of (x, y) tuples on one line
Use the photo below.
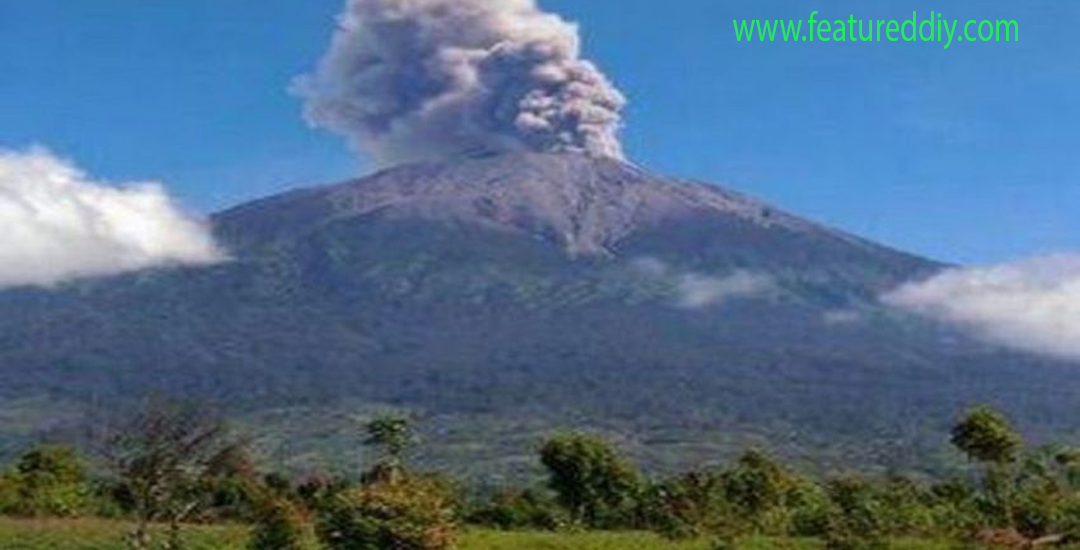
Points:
[(410, 80), (59, 225), (1032, 305)]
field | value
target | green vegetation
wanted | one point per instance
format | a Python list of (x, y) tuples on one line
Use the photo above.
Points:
[(592, 482), (177, 480), (985, 435), (410, 513), (393, 435), (280, 525), (393, 508), (48, 482)]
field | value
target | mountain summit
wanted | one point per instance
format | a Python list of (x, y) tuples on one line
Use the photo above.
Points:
[(587, 205), (506, 295)]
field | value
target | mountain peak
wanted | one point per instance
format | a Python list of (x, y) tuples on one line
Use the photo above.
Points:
[(586, 204)]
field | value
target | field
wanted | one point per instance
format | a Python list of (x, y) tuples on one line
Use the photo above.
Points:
[(102, 535)]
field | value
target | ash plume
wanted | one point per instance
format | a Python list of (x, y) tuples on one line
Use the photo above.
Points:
[(410, 80)]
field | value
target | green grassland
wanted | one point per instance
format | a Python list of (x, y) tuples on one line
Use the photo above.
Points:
[(105, 535)]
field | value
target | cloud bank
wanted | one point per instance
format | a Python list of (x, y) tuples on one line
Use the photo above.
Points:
[(60, 225), (409, 80), (697, 290), (1032, 305)]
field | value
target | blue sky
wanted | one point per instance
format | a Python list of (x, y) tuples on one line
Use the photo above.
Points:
[(967, 154)]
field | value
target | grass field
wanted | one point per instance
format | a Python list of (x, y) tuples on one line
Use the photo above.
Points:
[(103, 535)]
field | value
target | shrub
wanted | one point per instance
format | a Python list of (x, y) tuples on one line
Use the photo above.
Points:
[(521, 510), (760, 491), (856, 518), (279, 525), (811, 511), (955, 512), (10, 488), (909, 508), (408, 514), (692, 505), (48, 481), (317, 491)]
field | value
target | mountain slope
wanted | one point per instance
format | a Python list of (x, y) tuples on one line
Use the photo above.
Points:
[(586, 205), (506, 295)]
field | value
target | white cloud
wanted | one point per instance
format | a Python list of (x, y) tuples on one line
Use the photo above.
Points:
[(1032, 305), (59, 225), (697, 290)]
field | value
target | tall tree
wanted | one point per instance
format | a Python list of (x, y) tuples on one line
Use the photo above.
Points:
[(986, 436), (164, 456), (392, 435)]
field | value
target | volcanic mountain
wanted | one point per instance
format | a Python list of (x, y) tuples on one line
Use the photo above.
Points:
[(502, 296)]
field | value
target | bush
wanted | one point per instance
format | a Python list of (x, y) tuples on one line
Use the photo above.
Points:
[(954, 509), (909, 508), (46, 482), (856, 517), (761, 491), (521, 510), (690, 506), (10, 489), (279, 525), (811, 511), (409, 514), (316, 492)]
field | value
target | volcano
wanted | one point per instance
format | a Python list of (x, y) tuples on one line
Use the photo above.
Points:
[(503, 296)]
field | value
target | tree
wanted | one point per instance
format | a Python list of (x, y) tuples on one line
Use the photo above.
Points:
[(985, 435), (592, 481), (393, 508), (392, 435), (164, 456)]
